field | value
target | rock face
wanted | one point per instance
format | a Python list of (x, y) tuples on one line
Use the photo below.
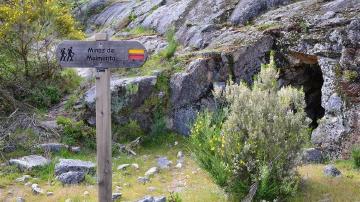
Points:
[(128, 93), (308, 33), (246, 10), (29, 162), (72, 165)]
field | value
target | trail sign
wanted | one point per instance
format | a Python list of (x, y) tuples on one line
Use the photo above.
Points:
[(101, 54)]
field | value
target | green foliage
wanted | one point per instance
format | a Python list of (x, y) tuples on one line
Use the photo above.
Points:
[(127, 132), (45, 172), (205, 139), (45, 96), (89, 180), (355, 154), (170, 50), (27, 68), (255, 139), (23, 140), (174, 197), (77, 133), (69, 104), (132, 17), (350, 75)]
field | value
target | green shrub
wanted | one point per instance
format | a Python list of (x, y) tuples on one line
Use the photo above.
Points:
[(205, 139), (69, 104), (174, 197), (45, 96), (350, 76), (77, 133), (132, 17), (355, 154), (127, 132), (170, 50), (255, 139)]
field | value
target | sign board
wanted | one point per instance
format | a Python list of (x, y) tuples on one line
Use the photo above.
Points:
[(101, 54)]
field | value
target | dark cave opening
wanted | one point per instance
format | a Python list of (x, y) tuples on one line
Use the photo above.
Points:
[(310, 78)]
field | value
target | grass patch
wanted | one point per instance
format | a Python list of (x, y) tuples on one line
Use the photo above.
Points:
[(189, 183), (317, 187)]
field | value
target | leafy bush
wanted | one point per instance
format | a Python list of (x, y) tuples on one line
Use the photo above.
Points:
[(255, 138), (355, 154), (45, 96), (127, 132), (28, 71), (77, 133)]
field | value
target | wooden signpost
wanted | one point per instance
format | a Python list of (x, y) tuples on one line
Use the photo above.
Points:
[(102, 55)]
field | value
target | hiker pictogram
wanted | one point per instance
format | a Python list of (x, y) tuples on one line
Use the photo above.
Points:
[(70, 54), (63, 55)]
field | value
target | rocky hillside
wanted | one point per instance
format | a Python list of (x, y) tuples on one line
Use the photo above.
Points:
[(317, 45)]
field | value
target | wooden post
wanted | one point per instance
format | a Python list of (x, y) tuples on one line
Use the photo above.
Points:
[(103, 131)]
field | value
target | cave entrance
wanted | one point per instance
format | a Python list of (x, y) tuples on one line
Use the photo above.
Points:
[(306, 74)]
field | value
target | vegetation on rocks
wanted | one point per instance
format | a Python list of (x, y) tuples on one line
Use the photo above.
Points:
[(251, 145), (76, 133)]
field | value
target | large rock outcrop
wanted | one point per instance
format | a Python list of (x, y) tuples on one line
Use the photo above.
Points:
[(323, 35), (127, 97)]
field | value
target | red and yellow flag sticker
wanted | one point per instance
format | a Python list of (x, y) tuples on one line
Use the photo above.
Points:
[(136, 54)]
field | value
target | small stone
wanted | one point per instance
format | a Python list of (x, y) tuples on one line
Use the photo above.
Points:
[(176, 143), (123, 166), (52, 147), (118, 189), (68, 200), (163, 162), (151, 189), (86, 193), (66, 165), (28, 184), (152, 171), (160, 199), (49, 193), (116, 196), (312, 155), (147, 199), (36, 189), (179, 165), (24, 178), (127, 185), (143, 180), (20, 199), (75, 149), (135, 166), (10, 192), (180, 155), (71, 177), (331, 170)]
